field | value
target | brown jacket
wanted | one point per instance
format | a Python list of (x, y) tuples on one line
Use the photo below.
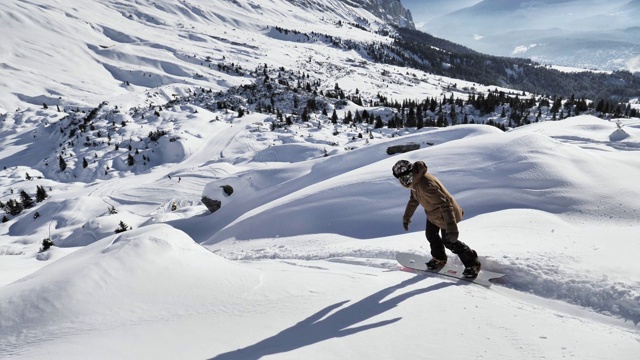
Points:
[(426, 190)]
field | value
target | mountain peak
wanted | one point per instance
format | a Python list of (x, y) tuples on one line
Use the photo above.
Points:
[(389, 10)]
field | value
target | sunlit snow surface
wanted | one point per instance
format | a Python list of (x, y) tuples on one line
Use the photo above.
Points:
[(298, 262)]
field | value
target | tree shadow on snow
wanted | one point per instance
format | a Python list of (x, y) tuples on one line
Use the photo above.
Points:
[(325, 325)]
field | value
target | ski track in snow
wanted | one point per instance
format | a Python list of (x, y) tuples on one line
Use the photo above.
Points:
[(541, 278)]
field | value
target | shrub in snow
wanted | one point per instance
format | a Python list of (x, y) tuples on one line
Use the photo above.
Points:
[(122, 228), (46, 244)]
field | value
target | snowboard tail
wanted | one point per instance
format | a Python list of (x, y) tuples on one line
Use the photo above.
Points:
[(418, 264)]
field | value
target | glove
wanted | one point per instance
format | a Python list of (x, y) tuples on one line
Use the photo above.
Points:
[(452, 236), (405, 225)]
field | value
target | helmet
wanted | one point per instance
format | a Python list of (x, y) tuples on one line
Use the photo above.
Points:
[(403, 171)]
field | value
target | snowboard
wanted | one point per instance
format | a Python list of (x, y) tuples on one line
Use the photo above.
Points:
[(418, 264)]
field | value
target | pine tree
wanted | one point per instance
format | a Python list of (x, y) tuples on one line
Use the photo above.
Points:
[(26, 200), (5, 219), (305, 115), (348, 119), (357, 117), (334, 117), (41, 194), (130, 160), (411, 118), (62, 163), (84, 163), (378, 122), (13, 207)]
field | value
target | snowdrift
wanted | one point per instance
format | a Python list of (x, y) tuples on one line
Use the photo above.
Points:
[(161, 270), (486, 172)]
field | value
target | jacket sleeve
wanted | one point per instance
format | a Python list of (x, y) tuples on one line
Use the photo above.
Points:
[(412, 205), (449, 217)]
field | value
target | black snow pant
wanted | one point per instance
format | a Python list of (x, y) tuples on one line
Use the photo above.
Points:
[(437, 243)]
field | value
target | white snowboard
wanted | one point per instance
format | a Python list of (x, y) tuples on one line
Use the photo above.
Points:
[(418, 264)]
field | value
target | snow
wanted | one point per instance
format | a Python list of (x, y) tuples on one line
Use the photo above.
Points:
[(299, 260)]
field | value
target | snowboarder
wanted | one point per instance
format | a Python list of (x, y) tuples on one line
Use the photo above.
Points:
[(443, 215)]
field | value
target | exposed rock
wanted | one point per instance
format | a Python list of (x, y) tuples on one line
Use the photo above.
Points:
[(212, 205), (390, 11), (402, 148), (228, 190)]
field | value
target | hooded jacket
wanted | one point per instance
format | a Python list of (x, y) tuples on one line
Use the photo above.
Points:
[(440, 207)]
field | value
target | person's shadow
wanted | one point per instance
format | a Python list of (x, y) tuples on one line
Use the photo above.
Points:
[(317, 327)]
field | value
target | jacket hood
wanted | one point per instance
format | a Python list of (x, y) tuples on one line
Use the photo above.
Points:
[(419, 169)]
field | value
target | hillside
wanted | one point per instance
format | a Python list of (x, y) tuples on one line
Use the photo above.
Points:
[(119, 119), (87, 53), (81, 56)]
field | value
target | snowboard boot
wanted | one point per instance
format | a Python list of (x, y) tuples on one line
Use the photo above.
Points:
[(472, 270), (435, 264)]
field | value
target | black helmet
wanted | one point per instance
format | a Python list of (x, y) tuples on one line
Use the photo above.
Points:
[(403, 171)]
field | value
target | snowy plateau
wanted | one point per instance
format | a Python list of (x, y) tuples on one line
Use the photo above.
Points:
[(117, 118)]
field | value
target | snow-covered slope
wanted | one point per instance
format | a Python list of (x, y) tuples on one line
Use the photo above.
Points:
[(81, 54), (550, 205), (298, 262)]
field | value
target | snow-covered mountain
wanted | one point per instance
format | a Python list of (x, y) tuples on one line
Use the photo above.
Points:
[(80, 54), (586, 34), (119, 119), (391, 11)]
